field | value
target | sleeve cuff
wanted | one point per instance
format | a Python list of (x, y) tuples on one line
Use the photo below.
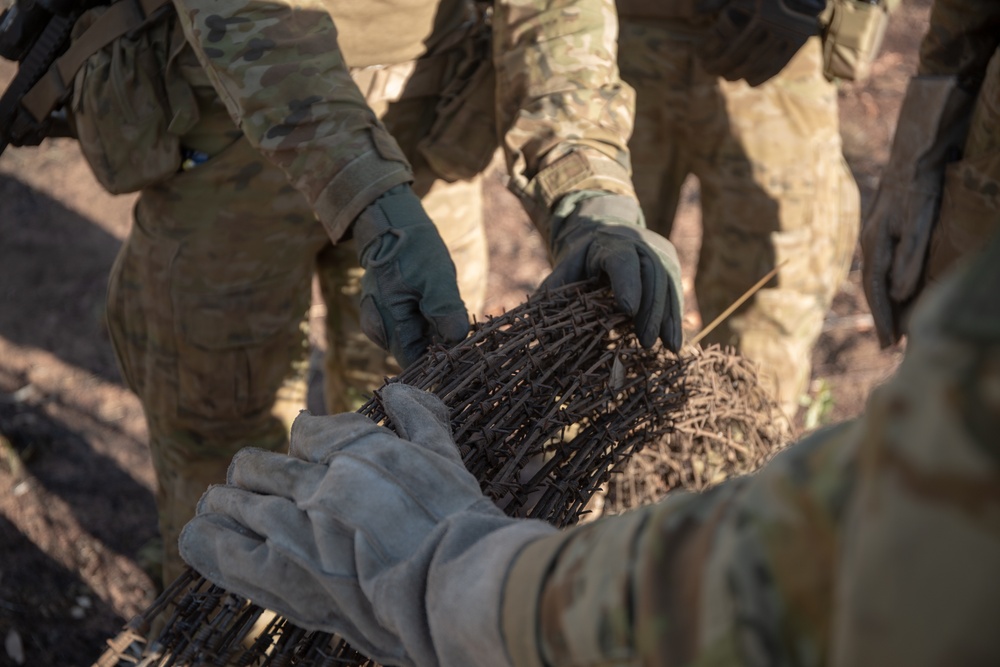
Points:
[(519, 620), (580, 169), (352, 190)]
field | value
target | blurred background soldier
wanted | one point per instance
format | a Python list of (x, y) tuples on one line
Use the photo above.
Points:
[(766, 149), (939, 195), (241, 124)]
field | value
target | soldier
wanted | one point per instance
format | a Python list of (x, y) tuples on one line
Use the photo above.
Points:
[(871, 542), (359, 116), (939, 195), (765, 146)]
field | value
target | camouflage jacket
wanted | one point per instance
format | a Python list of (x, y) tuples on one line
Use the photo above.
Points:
[(563, 116), (873, 542)]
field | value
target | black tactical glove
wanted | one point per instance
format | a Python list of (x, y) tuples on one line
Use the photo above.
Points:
[(896, 234), (409, 292), (594, 233), (755, 39)]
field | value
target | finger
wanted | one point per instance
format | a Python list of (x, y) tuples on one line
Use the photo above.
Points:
[(569, 270), (317, 438), (372, 324), (420, 417), (267, 472), (910, 254), (671, 331), (619, 260), (276, 519), (649, 319), (212, 543), (877, 252), (450, 329), (410, 335), (268, 577)]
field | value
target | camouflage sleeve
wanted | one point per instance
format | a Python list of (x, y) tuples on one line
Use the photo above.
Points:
[(963, 35), (874, 542), (563, 113), (278, 68)]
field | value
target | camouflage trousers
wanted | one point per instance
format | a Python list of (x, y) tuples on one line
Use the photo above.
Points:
[(774, 189), (207, 310)]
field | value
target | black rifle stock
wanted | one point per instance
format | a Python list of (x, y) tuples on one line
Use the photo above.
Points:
[(36, 54)]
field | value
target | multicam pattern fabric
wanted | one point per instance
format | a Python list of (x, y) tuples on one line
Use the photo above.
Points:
[(872, 542), (965, 42), (774, 189), (564, 113), (210, 292)]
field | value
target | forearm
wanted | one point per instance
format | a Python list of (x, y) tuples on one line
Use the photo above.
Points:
[(564, 114), (697, 579), (278, 68)]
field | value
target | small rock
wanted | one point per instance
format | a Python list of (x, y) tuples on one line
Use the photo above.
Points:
[(84, 602), (77, 613)]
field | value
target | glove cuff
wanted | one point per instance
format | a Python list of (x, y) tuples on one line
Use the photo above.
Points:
[(465, 591), (583, 210)]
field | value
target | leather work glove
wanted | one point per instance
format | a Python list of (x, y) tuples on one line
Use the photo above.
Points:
[(594, 233), (896, 232), (385, 540), (409, 291), (755, 39)]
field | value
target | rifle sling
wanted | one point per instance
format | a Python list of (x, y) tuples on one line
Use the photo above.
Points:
[(120, 18)]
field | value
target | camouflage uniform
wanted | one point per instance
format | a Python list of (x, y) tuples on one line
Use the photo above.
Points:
[(871, 542), (965, 43), (774, 185), (208, 295)]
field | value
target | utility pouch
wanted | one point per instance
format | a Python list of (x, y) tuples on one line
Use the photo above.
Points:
[(128, 108), (463, 138), (852, 36)]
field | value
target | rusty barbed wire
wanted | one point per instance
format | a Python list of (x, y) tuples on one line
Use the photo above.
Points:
[(552, 403)]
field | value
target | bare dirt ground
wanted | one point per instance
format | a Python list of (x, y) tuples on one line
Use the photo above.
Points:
[(76, 483)]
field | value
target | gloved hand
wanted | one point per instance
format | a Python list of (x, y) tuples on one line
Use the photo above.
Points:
[(594, 233), (755, 39), (385, 540), (930, 133), (409, 291)]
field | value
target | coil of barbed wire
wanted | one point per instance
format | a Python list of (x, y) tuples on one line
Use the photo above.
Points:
[(552, 403)]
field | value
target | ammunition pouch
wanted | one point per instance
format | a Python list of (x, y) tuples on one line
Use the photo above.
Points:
[(852, 36), (463, 137), (128, 111), (460, 138)]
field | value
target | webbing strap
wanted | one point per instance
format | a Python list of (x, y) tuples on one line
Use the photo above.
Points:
[(120, 18)]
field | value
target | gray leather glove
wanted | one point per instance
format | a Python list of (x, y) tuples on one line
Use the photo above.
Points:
[(896, 232), (409, 291), (595, 233), (385, 540), (755, 39)]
